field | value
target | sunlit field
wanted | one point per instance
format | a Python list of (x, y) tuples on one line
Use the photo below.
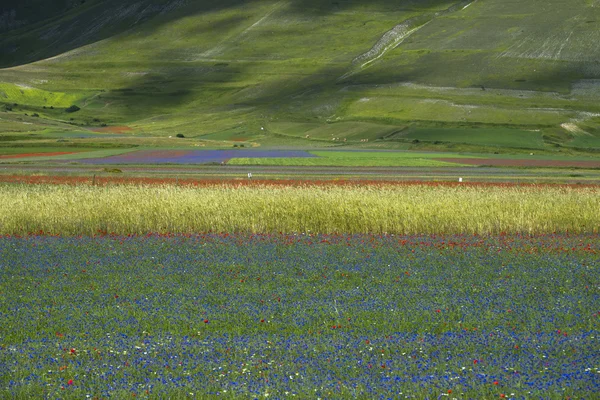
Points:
[(387, 209)]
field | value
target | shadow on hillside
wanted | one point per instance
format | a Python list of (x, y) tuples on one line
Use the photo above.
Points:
[(102, 19), (318, 93)]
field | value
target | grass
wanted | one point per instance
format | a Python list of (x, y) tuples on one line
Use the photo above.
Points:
[(404, 209)]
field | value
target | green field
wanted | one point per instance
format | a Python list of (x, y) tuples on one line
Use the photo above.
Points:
[(277, 73), (41, 149), (356, 159), (78, 154), (489, 137)]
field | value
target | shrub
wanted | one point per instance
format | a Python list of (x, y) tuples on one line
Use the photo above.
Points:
[(180, 135), (72, 109), (113, 170)]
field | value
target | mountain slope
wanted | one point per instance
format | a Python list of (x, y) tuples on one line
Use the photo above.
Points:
[(254, 70)]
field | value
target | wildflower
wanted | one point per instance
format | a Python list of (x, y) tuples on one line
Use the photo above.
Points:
[(206, 321), (70, 382)]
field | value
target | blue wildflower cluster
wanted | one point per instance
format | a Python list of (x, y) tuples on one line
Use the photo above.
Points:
[(279, 316)]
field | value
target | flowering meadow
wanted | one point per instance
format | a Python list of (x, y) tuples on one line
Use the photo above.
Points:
[(304, 316)]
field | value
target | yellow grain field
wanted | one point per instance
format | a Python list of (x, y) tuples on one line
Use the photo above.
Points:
[(73, 210)]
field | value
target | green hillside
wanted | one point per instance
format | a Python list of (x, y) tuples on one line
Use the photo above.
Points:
[(484, 75)]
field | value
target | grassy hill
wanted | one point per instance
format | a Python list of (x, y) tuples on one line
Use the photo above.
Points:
[(494, 75)]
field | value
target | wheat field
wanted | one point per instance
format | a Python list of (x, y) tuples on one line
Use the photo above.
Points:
[(428, 209)]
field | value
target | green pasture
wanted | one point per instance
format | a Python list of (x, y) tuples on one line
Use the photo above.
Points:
[(481, 136), (586, 141), (340, 131), (355, 159), (40, 149), (24, 94), (237, 134)]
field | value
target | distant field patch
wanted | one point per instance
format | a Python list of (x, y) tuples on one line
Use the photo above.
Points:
[(25, 155), (233, 135), (49, 154), (350, 131), (23, 94), (194, 156), (586, 141), (113, 129), (14, 152), (353, 159), (497, 162), (481, 136)]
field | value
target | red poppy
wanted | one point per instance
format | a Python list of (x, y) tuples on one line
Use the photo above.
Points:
[(206, 321), (70, 382)]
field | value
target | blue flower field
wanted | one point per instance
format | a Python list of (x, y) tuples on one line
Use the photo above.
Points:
[(300, 316)]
